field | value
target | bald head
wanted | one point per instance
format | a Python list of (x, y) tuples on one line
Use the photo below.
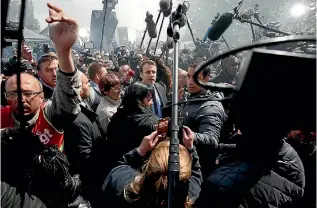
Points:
[(31, 81), (32, 94), (124, 69)]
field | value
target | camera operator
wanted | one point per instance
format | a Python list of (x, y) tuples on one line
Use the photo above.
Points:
[(204, 119), (44, 118), (133, 61)]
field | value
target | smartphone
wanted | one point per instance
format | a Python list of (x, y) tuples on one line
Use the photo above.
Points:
[(162, 127)]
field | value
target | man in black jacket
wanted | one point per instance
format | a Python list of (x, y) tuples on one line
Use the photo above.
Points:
[(264, 171), (81, 136), (205, 118)]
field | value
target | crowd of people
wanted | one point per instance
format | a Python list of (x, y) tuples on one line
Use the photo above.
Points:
[(91, 139)]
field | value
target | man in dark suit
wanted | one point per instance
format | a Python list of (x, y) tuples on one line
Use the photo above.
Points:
[(148, 72)]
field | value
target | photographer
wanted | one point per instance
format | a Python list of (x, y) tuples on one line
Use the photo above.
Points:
[(44, 118), (126, 187), (204, 118)]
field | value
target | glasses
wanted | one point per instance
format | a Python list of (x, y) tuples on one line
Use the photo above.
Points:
[(14, 95)]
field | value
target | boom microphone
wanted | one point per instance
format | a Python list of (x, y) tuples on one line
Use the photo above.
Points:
[(165, 5), (220, 26), (169, 11), (170, 43), (151, 26)]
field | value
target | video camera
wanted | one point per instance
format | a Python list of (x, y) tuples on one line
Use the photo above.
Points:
[(87, 58)]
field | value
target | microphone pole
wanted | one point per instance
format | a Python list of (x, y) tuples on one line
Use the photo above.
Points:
[(143, 37), (190, 29), (158, 38), (223, 38), (148, 46), (173, 158), (242, 20)]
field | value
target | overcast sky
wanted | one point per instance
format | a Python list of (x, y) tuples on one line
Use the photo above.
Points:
[(130, 13)]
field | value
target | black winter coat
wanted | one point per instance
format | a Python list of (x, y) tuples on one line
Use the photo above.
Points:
[(126, 131), (246, 184), (205, 118), (121, 175), (82, 140), (12, 198)]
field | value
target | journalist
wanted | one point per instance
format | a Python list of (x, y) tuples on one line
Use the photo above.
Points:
[(204, 118), (126, 187)]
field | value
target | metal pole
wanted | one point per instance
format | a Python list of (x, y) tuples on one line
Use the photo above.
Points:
[(19, 91), (262, 26), (190, 29), (173, 159), (104, 21), (225, 42), (158, 38), (253, 34), (148, 46), (143, 37)]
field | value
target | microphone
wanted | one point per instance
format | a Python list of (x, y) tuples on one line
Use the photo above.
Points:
[(165, 5), (169, 11), (220, 26), (151, 26), (170, 43)]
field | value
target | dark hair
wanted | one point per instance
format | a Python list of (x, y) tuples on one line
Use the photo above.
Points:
[(149, 62), (45, 58), (94, 68), (51, 168), (135, 93), (40, 170), (163, 73), (206, 71), (108, 81)]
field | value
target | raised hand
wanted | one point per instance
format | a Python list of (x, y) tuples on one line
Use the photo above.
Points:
[(188, 137), (64, 30), (148, 143), (27, 53)]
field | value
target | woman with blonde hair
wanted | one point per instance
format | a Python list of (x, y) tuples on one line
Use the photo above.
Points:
[(125, 186)]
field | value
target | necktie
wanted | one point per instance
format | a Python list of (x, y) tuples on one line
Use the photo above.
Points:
[(157, 104)]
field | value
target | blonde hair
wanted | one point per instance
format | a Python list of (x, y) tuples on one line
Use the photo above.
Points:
[(153, 177)]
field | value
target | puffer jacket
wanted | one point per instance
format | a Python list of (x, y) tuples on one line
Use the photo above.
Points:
[(247, 184), (205, 118)]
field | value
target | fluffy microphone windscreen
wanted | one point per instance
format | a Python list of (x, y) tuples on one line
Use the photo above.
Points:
[(220, 26), (169, 11), (151, 27), (165, 5)]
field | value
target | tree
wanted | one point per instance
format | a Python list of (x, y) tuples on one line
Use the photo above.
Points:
[(30, 21)]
